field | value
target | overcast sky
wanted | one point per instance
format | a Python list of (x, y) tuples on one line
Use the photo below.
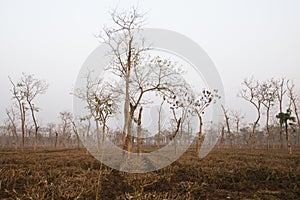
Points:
[(52, 39)]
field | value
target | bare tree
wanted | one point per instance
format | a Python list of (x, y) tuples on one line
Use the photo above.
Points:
[(68, 116), (105, 106), (31, 88), (237, 118), (268, 91), (100, 98), (141, 73), (18, 95), (251, 93), (65, 126), (154, 75), (51, 130), (225, 112), (181, 102), (25, 91), (200, 104), (127, 51), (280, 93), (11, 114), (294, 99)]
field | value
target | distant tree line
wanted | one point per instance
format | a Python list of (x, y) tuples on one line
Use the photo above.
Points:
[(276, 103), (140, 79)]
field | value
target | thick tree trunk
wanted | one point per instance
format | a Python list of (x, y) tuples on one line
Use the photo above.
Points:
[(127, 97)]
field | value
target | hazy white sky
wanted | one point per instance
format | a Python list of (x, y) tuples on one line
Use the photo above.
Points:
[(52, 39)]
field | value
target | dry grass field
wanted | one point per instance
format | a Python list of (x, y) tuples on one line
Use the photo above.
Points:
[(52, 173)]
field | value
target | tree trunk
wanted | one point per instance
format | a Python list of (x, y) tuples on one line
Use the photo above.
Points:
[(280, 135), (228, 130), (103, 132), (50, 137), (298, 122), (139, 128), (200, 136), (288, 138), (56, 139), (222, 136), (238, 135), (97, 135), (159, 124), (78, 141), (23, 117), (268, 128), (36, 127), (16, 136), (14, 129), (129, 138), (127, 97), (252, 136), (35, 138)]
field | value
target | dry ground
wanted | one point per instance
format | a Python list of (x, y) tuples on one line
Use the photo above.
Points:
[(224, 174)]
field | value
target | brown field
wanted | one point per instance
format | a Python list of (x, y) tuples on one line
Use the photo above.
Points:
[(223, 174)]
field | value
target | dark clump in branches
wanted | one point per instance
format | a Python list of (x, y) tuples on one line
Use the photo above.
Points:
[(284, 118)]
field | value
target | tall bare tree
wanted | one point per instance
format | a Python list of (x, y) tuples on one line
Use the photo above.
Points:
[(19, 96), (141, 73), (251, 93), (268, 91), (294, 100), (31, 88), (280, 93), (126, 49)]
